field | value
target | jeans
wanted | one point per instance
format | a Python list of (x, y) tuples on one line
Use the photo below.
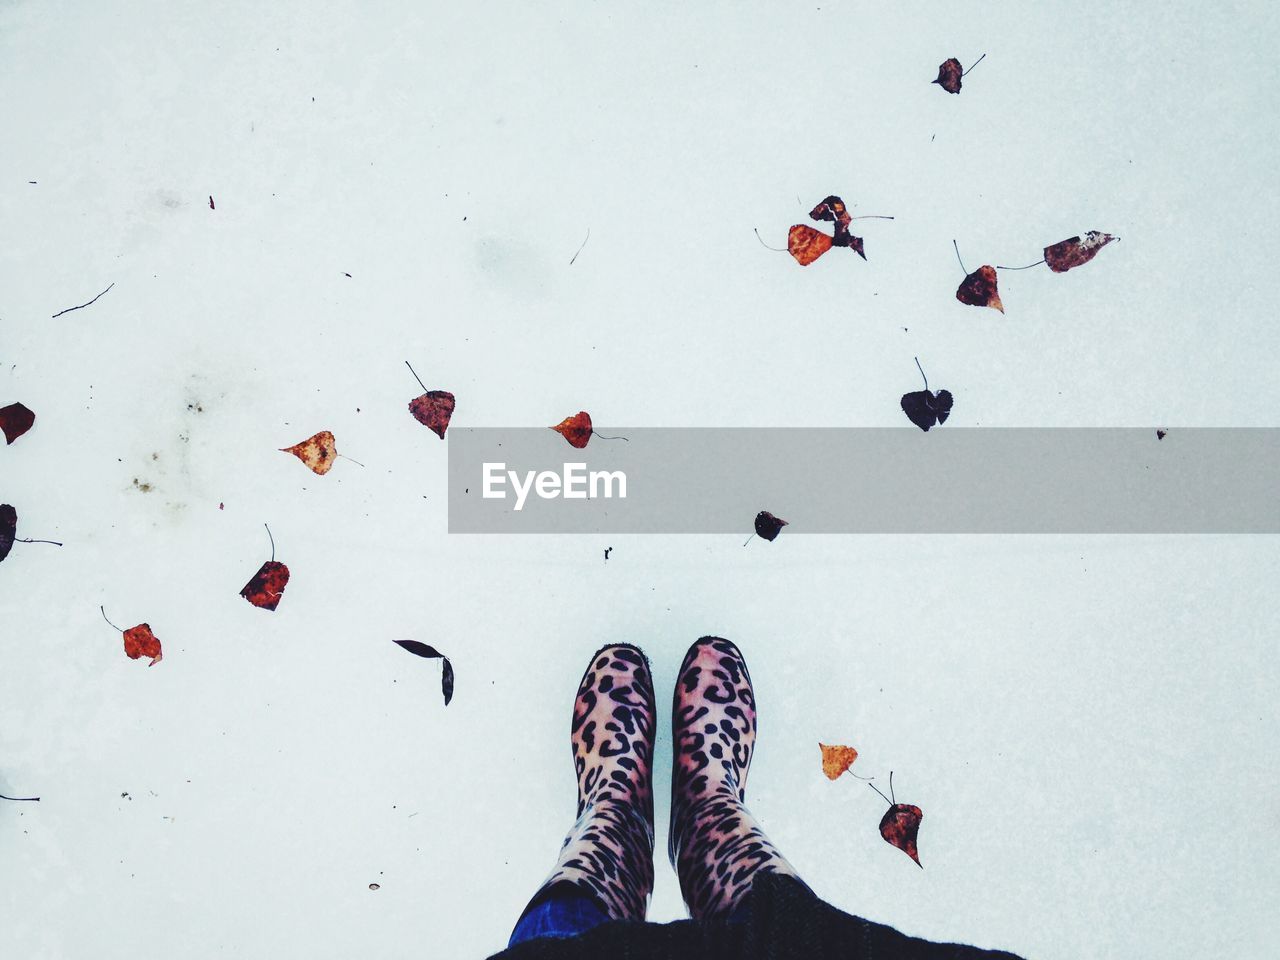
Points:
[(567, 914)]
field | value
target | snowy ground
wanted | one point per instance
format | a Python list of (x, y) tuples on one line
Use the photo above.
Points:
[(1087, 722)]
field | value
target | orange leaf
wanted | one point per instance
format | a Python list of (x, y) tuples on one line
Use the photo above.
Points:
[(1072, 252), (267, 586), (575, 429), (807, 244), (317, 452), (433, 410), (836, 760), (979, 289), (139, 641)]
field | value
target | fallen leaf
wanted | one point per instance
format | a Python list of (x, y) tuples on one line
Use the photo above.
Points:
[(900, 826), (926, 409), (8, 528), (267, 586), (836, 760), (1074, 251), (1160, 435), (807, 244), (768, 526), (15, 420), (139, 641), (979, 289), (433, 410), (949, 74), (832, 208), (431, 653), (575, 429), (317, 452)]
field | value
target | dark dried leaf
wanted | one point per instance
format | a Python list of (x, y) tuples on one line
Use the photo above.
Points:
[(768, 526), (926, 409), (420, 649), (8, 528), (15, 420), (1074, 251), (900, 826), (979, 289), (949, 74), (446, 681), (832, 208)]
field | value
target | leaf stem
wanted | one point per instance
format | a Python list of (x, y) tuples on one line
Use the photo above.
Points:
[(273, 544), (1027, 267), (765, 245), (415, 376), (921, 369), (962, 266), (974, 64), (104, 617)]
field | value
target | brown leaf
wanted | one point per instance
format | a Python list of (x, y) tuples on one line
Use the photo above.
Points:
[(1074, 251), (836, 760), (8, 528), (139, 641), (949, 74), (807, 244), (317, 452), (15, 420), (431, 653), (267, 586), (899, 827), (979, 289), (433, 410), (575, 429), (844, 238)]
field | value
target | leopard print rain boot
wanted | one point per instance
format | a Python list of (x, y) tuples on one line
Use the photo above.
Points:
[(608, 854), (716, 845)]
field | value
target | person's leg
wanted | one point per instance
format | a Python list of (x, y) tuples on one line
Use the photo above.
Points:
[(716, 846), (605, 867)]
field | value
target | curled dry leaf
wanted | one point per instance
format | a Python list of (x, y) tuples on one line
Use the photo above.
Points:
[(1161, 433), (900, 826), (15, 420), (139, 642), (806, 244), (431, 653), (433, 410), (949, 75), (8, 528), (317, 452), (267, 586), (575, 429), (1074, 251), (836, 760), (979, 289), (768, 526)]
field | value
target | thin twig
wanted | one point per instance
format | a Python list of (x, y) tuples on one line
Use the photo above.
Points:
[(356, 462), (584, 243), (766, 246), (415, 375), (877, 790), (1027, 267), (19, 799), (872, 216), (24, 540), (82, 306)]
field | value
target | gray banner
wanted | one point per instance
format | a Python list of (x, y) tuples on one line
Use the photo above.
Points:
[(712, 480)]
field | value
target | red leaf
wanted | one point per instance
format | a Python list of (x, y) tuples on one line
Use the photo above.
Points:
[(949, 74), (807, 244), (433, 410), (15, 420), (899, 827), (139, 641), (1074, 251), (267, 586), (575, 429), (8, 528), (979, 289)]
